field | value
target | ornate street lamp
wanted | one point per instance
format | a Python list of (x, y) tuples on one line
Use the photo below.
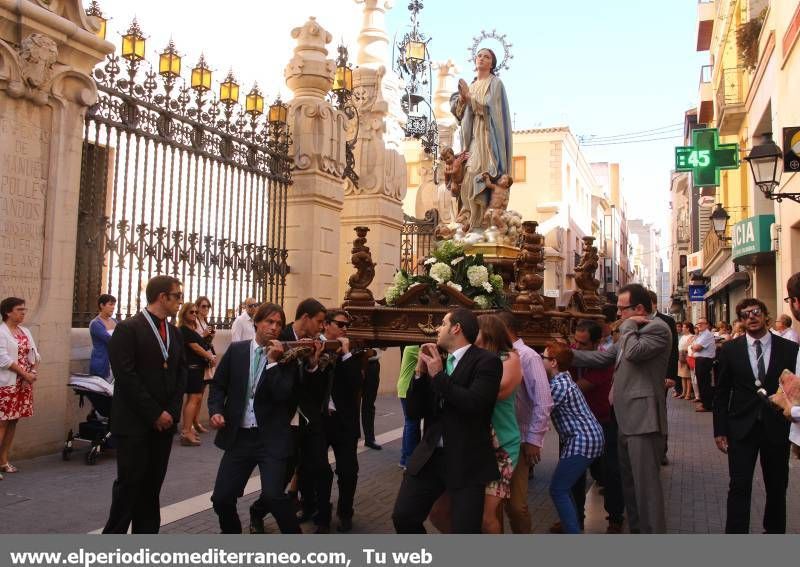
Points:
[(229, 90), (169, 62), (278, 113), (95, 12), (766, 165), (254, 102), (343, 95), (719, 219), (201, 76), (413, 65), (133, 44)]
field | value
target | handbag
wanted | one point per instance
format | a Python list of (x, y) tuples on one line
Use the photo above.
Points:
[(690, 362)]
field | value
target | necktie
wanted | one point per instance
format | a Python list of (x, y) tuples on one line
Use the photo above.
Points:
[(762, 372), (254, 370), (450, 364), (162, 330)]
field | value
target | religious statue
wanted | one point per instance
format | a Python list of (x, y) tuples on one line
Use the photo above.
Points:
[(483, 113), (454, 172), (498, 201)]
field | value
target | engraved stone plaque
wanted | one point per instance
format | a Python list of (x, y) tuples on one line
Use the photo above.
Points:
[(24, 158)]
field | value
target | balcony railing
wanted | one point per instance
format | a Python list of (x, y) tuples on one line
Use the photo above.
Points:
[(731, 94), (712, 246)]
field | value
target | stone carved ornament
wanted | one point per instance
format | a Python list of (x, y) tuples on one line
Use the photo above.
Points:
[(32, 72)]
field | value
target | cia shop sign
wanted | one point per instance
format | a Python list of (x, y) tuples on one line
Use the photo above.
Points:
[(751, 239)]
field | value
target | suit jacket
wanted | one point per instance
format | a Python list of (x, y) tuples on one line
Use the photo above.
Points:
[(274, 404), (672, 369), (640, 359), (345, 379), (143, 388), (311, 385), (737, 406), (458, 409)]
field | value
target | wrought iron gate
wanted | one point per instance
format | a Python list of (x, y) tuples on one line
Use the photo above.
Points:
[(177, 182), (417, 240)]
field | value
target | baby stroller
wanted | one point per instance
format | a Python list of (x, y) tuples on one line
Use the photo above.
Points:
[(95, 430)]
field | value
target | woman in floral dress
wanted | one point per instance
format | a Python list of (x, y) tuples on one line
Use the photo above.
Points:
[(18, 360)]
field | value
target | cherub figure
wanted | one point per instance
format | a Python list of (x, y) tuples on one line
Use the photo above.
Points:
[(454, 171), (498, 202)]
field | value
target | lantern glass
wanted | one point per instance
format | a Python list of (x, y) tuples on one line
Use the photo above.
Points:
[(415, 51), (201, 78), (229, 91), (169, 64), (277, 113), (133, 47), (343, 80), (254, 103), (765, 170), (101, 31), (720, 220)]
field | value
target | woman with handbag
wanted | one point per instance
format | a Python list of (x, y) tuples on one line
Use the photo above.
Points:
[(198, 358), (18, 360), (684, 371)]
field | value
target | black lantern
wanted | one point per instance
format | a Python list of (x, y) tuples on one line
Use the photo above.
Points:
[(719, 219), (95, 12), (765, 161)]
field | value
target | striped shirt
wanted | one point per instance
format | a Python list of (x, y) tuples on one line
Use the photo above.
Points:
[(579, 432)]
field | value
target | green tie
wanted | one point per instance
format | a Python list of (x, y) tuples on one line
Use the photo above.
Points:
[(450, 364), (254, 370)]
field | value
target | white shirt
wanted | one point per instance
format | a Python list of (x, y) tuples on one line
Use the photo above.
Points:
[(794, 430), (459, 354), (249, 416), (789, 334), (705, 340), (345, 356), (766, 350), (242, 328)]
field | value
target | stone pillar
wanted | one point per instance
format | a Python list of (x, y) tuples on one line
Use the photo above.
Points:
[(380, 165), (47, 53), (313, 230)]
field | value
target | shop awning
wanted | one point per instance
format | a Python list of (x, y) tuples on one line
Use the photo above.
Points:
[(730, 280)]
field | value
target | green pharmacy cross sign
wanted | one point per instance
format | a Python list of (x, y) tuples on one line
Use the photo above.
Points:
[(706, 156)]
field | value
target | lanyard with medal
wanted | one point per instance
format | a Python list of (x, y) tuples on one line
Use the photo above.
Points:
[(164, 347)]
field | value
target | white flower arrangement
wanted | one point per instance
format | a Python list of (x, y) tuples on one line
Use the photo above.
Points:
[(393, 293), (441, 272), (456, 261), (455, 286), (477, 275), (488, 287), (482, 302), (430, 261)]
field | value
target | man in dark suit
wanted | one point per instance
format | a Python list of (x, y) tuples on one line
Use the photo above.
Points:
[(251, 402), (455, 455), (745, 425), (339, 407), (146, 355)]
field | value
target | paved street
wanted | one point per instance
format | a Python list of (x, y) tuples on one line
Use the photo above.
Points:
[(52, 496)]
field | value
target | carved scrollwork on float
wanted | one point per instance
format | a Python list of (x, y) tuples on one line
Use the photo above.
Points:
[(584, 276), (428, 328), (401, 323), (358, 292), (529, 269)]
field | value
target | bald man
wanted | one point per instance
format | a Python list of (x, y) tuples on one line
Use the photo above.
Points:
[(243, 329)]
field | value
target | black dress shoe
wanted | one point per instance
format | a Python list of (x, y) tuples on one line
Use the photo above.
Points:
[(256, 525), (345, 525), (323, 530), (372, 445), (305, 516)]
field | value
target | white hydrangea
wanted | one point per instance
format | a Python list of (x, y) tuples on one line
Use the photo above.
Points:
[(399, 278), (488, 287), (430, 261), (482, 302), (455, 286), (456, 260), (393, 293), (477, 275), (441, 272)]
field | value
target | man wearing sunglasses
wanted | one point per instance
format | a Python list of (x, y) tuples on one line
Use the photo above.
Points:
[(745, 425)]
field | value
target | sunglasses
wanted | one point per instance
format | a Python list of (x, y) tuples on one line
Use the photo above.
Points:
[(341, 324), (176, 295), (193, 312), (547, 358), (204, 306), (746, 314), (253, 304)]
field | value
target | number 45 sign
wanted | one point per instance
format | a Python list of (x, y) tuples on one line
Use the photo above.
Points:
[(706, 156)]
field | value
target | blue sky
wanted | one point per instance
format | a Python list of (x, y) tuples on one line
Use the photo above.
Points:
[(601, 67)]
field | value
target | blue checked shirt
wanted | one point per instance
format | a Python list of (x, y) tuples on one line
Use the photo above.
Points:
[(579, 432)]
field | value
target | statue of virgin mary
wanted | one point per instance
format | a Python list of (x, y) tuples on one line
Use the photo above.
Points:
[(482, 110)]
